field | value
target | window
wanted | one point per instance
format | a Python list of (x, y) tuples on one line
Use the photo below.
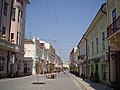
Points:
[(12, 37), (1, 63), (88, 50), (103, 40), (97, 44), (114, 18), (114, 14), (3, 30), (92, 48), (19, 15), (17, 38), (13, 14), (5, 8)]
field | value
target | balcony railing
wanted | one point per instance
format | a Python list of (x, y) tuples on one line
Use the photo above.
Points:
[(115, 26)]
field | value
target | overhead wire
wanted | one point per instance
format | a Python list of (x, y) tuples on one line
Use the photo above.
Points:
[(51, 20), (56, 16), (39, 13), (57, 22), (48, 22)]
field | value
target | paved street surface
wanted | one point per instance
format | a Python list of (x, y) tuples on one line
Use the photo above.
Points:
[(61, 82)]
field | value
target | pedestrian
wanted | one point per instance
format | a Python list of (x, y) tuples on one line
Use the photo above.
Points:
[(83, 76), (0, 76), (91, 78)]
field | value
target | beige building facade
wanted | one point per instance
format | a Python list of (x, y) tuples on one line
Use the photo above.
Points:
[(113, 38), (82, 57), (74, 63), (12, 52), (39, 57)]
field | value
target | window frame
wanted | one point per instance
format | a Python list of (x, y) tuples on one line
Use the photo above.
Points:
[(13, 13), (97, 45), (5, 8), (103, 40)]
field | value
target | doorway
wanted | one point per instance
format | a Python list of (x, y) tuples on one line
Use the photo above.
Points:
[(117, 68)]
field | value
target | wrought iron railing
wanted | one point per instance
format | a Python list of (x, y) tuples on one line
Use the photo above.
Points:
[(115, 26)]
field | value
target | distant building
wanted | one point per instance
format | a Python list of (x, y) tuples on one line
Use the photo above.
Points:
[(39, 57), (58, 63), (74, 64), (82, 56), (66, 64), (33, 58)]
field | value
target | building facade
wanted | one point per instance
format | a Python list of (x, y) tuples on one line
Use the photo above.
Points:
[(58, 64), (97, 48), (17, 33), (93, 49), (40, 54), (74, 63), (34, 57), (11, 45), (5, 45), (82, 57), (102, 46), (113, 38)]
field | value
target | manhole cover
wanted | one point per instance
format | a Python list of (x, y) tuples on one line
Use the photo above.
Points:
[(39, 83)]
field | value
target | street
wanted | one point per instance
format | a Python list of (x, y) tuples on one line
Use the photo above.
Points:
[(61, 82)]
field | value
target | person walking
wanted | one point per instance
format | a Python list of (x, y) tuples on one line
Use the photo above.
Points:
[(83, 76)]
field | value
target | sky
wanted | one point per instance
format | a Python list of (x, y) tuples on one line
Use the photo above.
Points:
[(60, 22)]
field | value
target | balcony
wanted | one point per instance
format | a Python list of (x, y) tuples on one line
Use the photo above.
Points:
[(114, 27), (7, 45)]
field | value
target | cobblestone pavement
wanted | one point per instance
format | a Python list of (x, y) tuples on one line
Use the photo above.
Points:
[(61, 82)]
